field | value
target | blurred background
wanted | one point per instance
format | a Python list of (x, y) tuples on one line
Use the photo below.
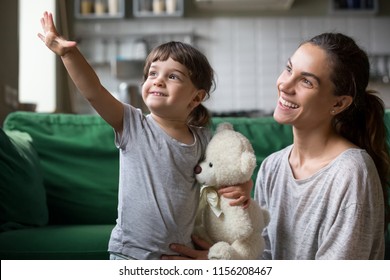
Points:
[(247, 42)]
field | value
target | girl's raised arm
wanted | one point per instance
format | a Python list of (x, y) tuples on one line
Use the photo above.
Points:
[(82, 74)]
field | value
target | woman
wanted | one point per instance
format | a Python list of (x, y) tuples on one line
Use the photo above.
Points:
[(325, 192)]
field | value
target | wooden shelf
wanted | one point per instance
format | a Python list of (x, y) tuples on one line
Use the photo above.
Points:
[(353, 7), (95, 9), (158, 8)]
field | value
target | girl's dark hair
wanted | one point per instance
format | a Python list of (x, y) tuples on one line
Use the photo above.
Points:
[(363, 121), (201, 73)]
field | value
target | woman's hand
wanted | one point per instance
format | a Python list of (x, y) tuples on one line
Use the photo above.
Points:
[(51, 37), (187, 253), (240, 193)]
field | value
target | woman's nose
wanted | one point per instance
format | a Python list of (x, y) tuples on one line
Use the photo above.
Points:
[(286, 85), (283, 86)]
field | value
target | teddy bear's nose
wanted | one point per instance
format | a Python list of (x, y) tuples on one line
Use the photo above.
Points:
[(197, 169)]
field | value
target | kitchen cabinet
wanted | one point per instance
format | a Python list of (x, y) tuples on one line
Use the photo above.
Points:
[(158, 8), (353, 7), (99, 9)]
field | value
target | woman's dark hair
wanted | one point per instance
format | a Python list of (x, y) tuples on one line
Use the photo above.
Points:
[(201, 73), (363, 121)]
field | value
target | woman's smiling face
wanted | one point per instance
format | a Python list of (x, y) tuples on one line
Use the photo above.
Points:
[(305, 89)]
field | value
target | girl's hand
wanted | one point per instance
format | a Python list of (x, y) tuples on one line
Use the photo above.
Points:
[(51, 37), (187, 253), (240, 193)]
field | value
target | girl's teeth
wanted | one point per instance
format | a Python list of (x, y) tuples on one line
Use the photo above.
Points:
[(158, 94)]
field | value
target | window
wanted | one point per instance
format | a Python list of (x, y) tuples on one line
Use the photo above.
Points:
[(37, 67)]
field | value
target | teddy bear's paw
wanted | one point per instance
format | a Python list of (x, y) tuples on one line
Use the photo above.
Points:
[(220, 251)]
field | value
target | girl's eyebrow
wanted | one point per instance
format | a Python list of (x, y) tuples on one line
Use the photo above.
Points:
[(307, 74), (173, 69), (177, 70)]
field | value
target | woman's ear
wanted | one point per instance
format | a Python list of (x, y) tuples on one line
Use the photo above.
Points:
[(342, 103)]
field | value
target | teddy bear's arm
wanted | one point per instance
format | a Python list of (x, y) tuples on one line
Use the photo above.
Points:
[(239, 221)]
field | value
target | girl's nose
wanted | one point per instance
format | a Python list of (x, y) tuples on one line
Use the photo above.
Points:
[(158, 82)]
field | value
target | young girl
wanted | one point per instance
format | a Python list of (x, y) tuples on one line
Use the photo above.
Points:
[(158, 194)]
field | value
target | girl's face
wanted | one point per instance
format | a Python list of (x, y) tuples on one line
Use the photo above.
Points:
[(168, 90), (305, 90)]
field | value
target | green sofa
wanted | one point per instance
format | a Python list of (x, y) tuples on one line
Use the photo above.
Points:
[(59, 179)]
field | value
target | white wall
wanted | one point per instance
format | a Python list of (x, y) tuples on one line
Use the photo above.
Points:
[(37, 75), (247, 53)]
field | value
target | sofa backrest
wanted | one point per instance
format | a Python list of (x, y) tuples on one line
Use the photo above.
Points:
[(80, 162), (80, 165)]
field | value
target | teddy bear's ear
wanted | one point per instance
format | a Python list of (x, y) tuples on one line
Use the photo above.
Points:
[(248, 162), (224, 126)]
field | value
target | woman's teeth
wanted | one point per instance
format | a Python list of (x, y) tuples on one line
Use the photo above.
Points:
[(288, 104)]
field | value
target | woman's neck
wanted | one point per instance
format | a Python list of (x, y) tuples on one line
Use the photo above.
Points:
[(314, 150)]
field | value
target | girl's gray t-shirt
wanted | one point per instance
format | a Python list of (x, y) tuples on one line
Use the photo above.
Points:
[(158, 193)]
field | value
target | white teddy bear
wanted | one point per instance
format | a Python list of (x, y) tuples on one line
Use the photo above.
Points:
[(234, 232)]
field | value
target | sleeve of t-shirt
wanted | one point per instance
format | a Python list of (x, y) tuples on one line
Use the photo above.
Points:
[(357, 230), (132, 124)]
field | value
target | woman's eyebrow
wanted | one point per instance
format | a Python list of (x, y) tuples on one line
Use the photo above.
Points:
[(307, 74)]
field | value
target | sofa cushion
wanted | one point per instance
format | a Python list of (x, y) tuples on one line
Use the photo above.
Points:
[(80, 165), (57, 242), (23, 196)]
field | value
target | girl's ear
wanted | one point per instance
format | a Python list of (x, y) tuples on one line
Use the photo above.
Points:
[(342, 103), (200, 95)]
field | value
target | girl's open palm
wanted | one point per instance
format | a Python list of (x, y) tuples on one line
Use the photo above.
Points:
[(51, 38)]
